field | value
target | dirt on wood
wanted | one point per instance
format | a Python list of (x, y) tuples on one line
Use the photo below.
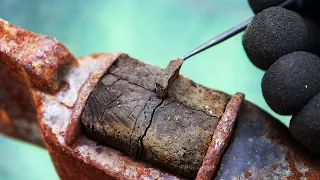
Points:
[(124, 112)]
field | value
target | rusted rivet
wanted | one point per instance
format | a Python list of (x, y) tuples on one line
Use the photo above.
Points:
[(220, 138)]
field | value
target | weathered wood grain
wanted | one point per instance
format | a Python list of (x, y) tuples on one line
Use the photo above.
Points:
[(124, 112)]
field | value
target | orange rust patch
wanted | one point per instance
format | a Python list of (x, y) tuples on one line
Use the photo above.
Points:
[(296, 173), (95, 56), (313, 172), (4, 117), (44, 59), (220, 138)]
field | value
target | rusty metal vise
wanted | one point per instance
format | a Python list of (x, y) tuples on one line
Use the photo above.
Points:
[(44, 90)]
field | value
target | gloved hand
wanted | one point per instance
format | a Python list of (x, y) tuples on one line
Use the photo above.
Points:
[(286, 43)]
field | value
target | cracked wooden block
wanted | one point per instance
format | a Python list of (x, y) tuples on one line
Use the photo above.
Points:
[(125, 112)]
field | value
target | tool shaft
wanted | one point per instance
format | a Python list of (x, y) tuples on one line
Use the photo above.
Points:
[(220, 38), (228, 34)]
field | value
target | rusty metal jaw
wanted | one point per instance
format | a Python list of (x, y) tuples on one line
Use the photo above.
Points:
[(58, 117)]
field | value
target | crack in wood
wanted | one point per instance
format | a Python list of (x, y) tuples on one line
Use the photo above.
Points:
[(150, 122), (151, 90), (114, 82), (148, 128), (135, 124), (101, 115)]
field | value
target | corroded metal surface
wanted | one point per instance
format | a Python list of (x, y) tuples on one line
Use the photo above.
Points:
[(220, 138), (17, 109), (27, 60), (94, 158), (43, 58), (262, 148)]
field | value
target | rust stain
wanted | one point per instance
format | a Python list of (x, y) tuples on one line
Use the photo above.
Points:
[(43, 58), (220, 138), (95, 56), (274, 167), (6, 124), (296, 173), (4, 117), (298, 154), (18, 116), (247, 174), (313, 171)]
